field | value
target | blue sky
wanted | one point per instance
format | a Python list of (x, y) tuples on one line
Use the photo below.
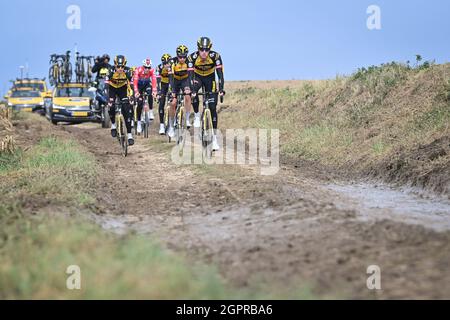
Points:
[(258, 39)]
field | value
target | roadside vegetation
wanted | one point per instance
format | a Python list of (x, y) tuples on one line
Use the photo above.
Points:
[(390, 121)]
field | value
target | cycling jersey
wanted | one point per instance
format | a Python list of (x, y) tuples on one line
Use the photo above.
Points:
[(118, 79), (162, 73), (204, 67), (178, 69), (143, 76)]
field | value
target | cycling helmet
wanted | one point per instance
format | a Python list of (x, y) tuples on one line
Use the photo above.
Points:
[(106, 56), (120, 61), (165, 58), (204, 43), (182, 51), (147, 63)]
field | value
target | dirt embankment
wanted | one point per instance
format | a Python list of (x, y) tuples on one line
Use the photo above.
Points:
[(390, 122)]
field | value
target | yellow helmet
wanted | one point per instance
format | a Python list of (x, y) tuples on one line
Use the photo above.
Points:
[(182, 51), (120, 61), (166, 58), (204, 43)]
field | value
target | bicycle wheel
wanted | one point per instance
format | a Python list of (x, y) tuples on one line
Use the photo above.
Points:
[(166, 120), (207, 134), (121, 134), (50, 76), (181, 128), (68, 73), (146, 124), (105, 117)]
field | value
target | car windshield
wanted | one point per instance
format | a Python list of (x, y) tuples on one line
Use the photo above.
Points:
[(35, 86), (25, 94), (73, 92)]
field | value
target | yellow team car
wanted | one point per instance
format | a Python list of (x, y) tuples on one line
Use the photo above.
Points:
[(71, 102), (26, 100), (29, 84), (28, 95)]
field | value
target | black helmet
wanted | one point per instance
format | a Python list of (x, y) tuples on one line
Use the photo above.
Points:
[(165, 58), (204, 43), (120, 61), (106, 56), (182, 51)]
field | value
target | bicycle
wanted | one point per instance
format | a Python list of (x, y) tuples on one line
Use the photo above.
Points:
[(145, 111), (89, 60), (54, 72), (121, 129), (79, 68), (66, 68), (180, 121), (207, 132)]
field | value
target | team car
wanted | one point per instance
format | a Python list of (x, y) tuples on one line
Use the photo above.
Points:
[(71, 102)]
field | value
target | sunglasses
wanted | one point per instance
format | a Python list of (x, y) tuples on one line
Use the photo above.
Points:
[(204, 50), (181, 57)]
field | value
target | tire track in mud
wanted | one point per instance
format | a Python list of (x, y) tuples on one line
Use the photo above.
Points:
[(283, 231)]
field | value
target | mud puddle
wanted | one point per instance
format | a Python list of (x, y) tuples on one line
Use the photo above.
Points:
[(384, 202)]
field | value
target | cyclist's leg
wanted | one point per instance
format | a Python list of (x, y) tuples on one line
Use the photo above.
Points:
[(173, 105), (162, 101), (150, 97), (140, 103), (187, 101), (127, 110), (112, 100), (196, 87), (210, 86), (198, 84)]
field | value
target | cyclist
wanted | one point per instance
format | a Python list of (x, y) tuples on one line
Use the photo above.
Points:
[(179, 81), (144, 79), (118, 81), (203, 66), (162, 78), (101, 67)]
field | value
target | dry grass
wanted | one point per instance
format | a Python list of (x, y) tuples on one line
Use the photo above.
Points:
[(352, 122)]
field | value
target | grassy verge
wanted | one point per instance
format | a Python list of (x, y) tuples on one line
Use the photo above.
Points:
[(363, 123)]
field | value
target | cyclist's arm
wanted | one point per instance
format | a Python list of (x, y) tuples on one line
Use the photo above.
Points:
[(219, 70), (96, 68), (191, 72), (154, 88), (136, 80), (171, 78)]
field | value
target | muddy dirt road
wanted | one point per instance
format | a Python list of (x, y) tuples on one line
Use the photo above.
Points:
[(292, 230)]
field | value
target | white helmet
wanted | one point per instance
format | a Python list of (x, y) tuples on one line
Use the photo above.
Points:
[(147, 63)]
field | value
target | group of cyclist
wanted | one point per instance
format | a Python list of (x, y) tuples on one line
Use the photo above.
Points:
[(182, 74)]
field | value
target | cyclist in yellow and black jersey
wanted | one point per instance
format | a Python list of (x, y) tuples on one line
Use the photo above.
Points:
[(179, 82), (162, 78), (203, 66), (118, 81)]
